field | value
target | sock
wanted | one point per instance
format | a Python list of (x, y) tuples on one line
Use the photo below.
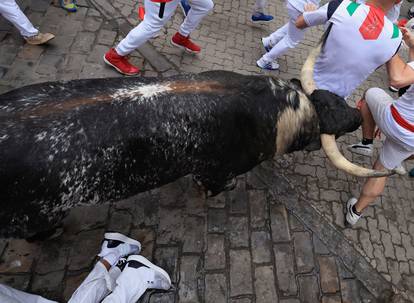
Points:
[(355, 211), (366, 141)]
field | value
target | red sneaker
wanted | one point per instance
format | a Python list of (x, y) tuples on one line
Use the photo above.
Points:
[(120, 63), (185, 42)]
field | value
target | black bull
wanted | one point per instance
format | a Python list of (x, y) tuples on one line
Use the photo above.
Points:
[(91, 141)]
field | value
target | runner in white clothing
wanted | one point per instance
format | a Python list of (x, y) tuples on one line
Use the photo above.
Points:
[(114, 279), (12, 12), (286, 37), (396, 121), (360, 39)]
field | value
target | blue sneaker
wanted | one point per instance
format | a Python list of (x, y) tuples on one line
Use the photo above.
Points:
[(263, 64), (260, 17), (185, 6)]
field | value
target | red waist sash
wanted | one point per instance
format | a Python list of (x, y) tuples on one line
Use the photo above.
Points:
[(400, 120)]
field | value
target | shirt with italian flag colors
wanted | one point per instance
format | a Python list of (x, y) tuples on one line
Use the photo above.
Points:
[(360, 40)]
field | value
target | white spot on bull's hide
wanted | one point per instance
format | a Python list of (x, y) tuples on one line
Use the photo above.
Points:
[(41, 136), (142, 91)]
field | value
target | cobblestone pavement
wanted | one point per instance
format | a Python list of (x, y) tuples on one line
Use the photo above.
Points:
[(247, 245)]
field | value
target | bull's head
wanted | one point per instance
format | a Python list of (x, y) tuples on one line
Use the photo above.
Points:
[(330, 121)]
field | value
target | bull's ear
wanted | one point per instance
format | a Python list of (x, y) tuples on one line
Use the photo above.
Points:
[(335, 116), (296, 83)]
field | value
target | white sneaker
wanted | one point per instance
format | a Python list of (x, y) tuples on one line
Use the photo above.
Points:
[(267, 44), (155, 276), (351, 217), (116, 246), (272, 65), (361, 149)]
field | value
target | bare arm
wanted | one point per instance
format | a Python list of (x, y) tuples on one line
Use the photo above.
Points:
[(400, 73)]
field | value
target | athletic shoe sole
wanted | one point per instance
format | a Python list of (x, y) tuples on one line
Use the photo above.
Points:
[(266, 68), (119, 71), (41, 43), (122, 238), (360, 151), (184, 48), (351, 202), (260, 21), (147, 263)]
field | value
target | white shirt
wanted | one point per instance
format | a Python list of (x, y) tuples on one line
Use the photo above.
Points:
[(300, 4), (349, 57)]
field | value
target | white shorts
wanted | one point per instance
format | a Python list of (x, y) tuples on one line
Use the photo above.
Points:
[(393, 153)]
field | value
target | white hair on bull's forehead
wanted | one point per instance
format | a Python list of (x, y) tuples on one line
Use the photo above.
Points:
[(142, 91), (291, 121)]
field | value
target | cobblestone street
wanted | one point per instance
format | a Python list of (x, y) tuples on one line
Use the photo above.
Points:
[(279, 236)]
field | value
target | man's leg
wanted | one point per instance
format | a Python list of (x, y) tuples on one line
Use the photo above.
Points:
[(138, 275), (11, 295), (151, 24), (12, 12), (199, 9), (275, 37), (100, 280)]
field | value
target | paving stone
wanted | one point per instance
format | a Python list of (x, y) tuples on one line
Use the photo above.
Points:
[(217, 220), (328, 274), (295, 224), (238, 199), (343, 272), (19, 256), (53, 257), (285, 269), (215, 257), (106, 37), (238, 231), (189, 279), (394, 271), (309, 289), (83, 42), (364, 239), (261, 246), (97, 53), (303, 252), (120, 221), (349, 291), (8, 53), (92, 24), (86, 217), (400, 253), (72, 283), (49, 285), (216, 288), (395, 234), (193, 240), (289, 301), (264, 284), (30, 52), (167, 258), (171, 227), (319, 247), (240, 273), (161, 297), (331, 299), (279, 223), (258, 210), (20, 282), (218, 201), (388, 246), (91, 243), (373, 230)]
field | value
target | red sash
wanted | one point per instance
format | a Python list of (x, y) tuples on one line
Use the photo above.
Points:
[(400, 120)]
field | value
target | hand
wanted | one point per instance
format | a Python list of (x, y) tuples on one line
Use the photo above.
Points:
[(408, 38), (309, 7)]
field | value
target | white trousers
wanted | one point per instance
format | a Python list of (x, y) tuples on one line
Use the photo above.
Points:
[(286, 37), (97, 285), (11, 295), (152, 23), (259, 6), (12, 12)]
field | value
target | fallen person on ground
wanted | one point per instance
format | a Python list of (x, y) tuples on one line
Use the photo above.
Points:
[(120, 276)]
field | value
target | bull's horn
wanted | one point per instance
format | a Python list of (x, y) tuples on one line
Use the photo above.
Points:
[(338, 160), (306, 74)]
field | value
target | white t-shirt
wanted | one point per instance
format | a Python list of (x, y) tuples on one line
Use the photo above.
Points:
[(405, 107), (360, 40), (300, 4)]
